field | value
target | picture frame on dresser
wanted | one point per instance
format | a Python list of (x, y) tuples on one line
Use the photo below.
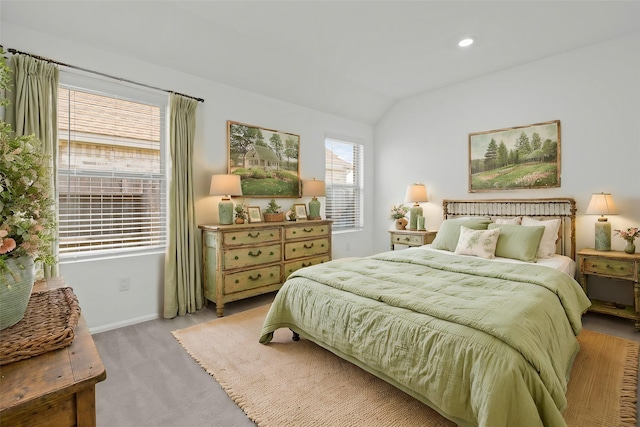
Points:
[(266, 160), (520, 157), (254, 214), (300, 211)]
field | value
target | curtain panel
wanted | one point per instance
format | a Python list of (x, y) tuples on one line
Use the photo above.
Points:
[(183, 291), (34, 110)]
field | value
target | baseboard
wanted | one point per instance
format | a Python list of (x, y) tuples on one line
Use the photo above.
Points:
[(128, 322)]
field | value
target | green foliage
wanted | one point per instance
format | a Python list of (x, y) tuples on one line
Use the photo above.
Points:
[(272, 207), (240, 210), (526, 175)]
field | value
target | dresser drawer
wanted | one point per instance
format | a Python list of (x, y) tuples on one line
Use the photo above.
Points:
[(608, 267), (251, 279), (247, 257), (248, 237), (290, 267), (303, 231), (305, 248), (407, 239)]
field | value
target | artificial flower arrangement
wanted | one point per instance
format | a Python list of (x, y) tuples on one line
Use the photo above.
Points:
[(630, 234), (27, 216), (399, 211)]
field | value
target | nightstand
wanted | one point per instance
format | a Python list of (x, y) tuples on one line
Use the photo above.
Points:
[(411, 237), (614, 265)]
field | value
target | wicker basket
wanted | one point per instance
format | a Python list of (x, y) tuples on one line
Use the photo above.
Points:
[(274, 217)]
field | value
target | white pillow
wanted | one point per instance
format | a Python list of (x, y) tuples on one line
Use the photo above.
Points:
[(547, 246), (511, 221), (480, 243)]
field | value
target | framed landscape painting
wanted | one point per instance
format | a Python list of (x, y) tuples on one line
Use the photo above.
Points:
[(267, 160), (522, 157)]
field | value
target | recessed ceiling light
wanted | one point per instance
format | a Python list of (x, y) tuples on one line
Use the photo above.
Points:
[(465, 42)]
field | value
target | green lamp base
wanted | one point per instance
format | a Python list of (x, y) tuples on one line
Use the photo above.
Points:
[(415, 212), (225, 211), (314, 208), (603, 235)]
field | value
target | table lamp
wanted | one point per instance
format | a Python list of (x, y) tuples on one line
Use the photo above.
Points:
[(225, 186), (602, 204), (313, 188), (416, 193)]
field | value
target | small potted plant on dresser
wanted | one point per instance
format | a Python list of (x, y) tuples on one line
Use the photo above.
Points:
[(272, 213), (241, 213)]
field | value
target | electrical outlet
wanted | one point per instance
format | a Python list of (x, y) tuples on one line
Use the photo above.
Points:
[(124, 284)]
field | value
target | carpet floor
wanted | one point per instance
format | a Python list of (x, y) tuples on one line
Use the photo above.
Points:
[(289, 383)]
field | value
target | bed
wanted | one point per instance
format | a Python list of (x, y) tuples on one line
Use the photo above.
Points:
[(484, 340)]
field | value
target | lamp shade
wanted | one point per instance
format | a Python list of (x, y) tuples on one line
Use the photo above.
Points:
[(601, 204), (313, 188), (225, 185), (416, 193)]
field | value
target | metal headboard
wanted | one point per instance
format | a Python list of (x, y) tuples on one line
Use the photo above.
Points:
[(563, 208)]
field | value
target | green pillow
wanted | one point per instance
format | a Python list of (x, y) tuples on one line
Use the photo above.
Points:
[(518, 241), (449, 232)]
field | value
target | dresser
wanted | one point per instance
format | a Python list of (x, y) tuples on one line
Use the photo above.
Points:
[(245, 260), (612, 265)]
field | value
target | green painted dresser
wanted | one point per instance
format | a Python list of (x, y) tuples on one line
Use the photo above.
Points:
[(245, 260)]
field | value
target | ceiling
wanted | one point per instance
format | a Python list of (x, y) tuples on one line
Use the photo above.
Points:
[(350, 58)]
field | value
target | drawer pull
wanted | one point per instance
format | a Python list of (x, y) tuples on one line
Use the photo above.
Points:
[(407, 239), (236, 257), (307, 265), (308, 247), (255, 278), (255, 255), (233, 238), (307, 230), (253, 236), (271, 253)]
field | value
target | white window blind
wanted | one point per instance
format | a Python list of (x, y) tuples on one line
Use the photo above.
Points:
[(344, 184), (111, 173)]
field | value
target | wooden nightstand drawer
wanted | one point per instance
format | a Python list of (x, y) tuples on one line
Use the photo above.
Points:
[(246, 257), (303, 231), (248, 237), (290, 267), (306, 248), (406, 239), (251, 279), (608, 267)]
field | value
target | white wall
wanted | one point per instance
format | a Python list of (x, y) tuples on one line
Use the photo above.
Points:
[(96, 282), (593, 91)]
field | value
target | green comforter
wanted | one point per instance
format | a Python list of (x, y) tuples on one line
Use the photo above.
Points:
[(484, 343)]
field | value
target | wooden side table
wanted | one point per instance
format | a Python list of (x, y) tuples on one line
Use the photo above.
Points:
[(411, 237), (56, 388), (613, 265)]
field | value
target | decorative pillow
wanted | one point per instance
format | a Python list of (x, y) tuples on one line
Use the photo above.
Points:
[(548, 243), (518, 242), (480, 243), (449, 232), (512, 221)]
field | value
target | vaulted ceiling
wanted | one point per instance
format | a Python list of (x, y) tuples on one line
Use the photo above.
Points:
[(350, 58)]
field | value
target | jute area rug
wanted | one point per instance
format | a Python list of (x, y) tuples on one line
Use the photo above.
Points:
[(290, 383)]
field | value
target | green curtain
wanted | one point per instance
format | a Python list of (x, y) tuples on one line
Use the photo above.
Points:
[(183, 291), (34, 110)]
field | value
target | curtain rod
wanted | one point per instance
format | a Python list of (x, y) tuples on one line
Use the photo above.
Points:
[(14, 51)]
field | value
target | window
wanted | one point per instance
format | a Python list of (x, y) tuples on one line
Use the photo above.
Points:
[(344, 184), (111, 174)]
